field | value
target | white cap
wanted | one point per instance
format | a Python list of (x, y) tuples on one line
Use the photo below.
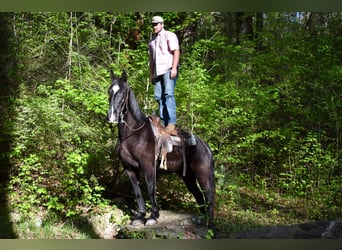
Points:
[(157, 19)]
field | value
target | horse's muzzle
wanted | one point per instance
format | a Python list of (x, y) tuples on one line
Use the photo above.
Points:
[(111, 117), (112, 121)]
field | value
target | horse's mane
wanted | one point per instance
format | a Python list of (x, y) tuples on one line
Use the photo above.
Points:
[(133, 105)]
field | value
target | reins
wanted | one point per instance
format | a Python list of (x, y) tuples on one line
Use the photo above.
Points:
[(122, 115), (132, 129)]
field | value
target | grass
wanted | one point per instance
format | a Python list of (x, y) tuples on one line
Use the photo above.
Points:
[(253, 208), (29, 228)]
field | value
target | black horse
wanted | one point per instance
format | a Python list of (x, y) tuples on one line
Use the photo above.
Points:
[(136, 147)]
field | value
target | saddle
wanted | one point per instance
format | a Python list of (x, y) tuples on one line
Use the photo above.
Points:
[(166, 142)]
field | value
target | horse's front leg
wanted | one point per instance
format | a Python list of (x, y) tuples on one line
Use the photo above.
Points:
[(150, 179), (139, 218)]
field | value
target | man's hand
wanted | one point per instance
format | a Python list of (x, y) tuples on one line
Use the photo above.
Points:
[(173, 73)]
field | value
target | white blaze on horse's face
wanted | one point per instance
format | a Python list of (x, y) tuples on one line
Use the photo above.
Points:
[(115, 88), (112, 117)]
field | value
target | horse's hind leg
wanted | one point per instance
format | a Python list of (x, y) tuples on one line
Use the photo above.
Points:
[(139, 218), (207, 186), (191, 184)]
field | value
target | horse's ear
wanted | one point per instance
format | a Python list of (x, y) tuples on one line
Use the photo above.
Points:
[(112, 75), (124, 75)]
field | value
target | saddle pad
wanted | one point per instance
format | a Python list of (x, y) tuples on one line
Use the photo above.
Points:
[(191, 140), (176, 141)]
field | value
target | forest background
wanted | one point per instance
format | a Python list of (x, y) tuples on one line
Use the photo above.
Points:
[(262, 89)]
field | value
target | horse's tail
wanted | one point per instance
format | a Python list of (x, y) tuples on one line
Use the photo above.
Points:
[(211, 179), (211, 170), (212, 182)]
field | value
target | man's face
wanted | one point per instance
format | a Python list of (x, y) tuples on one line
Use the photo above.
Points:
[(157, 27)]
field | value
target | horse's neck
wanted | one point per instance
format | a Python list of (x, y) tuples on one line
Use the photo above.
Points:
[(133, 118), (134, 114)]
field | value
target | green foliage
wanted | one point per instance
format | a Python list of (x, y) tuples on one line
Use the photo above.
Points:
[(209, 235), (47, 134), (56, 137)]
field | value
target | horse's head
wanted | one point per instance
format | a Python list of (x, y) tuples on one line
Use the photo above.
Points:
[(118, 93)]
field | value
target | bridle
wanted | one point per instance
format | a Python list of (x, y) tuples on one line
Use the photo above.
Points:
[(127, 126), (122, 114)]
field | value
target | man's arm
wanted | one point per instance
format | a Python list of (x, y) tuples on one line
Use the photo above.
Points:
[(176, 55), (151, 64)]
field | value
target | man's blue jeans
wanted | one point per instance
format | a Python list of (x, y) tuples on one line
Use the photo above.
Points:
[(164, 89)]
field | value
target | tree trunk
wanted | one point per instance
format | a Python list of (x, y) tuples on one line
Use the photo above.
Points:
[(259, 29)]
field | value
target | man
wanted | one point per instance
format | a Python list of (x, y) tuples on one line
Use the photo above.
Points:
[(164, 59)]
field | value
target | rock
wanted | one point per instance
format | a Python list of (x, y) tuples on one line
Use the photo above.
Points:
[(107, 225), (311, 230), (333, 231)]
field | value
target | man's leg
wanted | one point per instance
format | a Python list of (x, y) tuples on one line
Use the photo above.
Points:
[(158, 95), (170, 116)]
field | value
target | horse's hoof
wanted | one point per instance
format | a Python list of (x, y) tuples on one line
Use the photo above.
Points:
[(137, 222), (151, 222)]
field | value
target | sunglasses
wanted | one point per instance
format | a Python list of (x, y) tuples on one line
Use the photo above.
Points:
[(155, 24)]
